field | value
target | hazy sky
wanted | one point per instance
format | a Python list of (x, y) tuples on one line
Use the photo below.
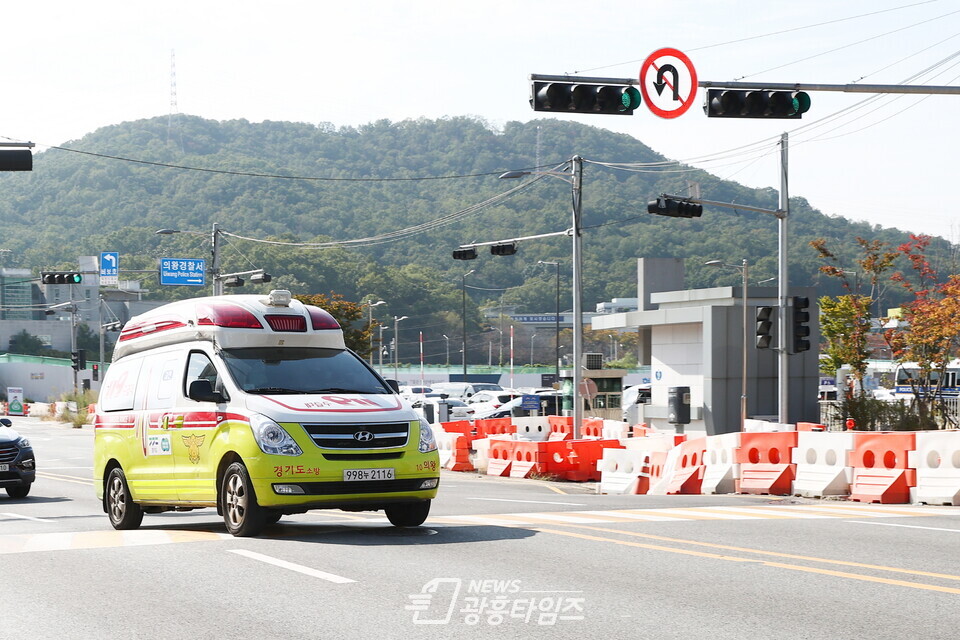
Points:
[(69, 68)]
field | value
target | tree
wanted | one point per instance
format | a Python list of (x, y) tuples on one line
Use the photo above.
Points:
[(928, 335), (27, 344)]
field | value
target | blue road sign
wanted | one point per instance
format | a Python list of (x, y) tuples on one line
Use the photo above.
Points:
[(183, 271), (109, 267), (530, 402)]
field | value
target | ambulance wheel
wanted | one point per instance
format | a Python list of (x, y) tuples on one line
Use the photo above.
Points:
[(124, 513), (408, 514), (242, 514)]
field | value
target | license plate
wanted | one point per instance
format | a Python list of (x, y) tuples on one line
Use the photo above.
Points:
[(353, 475), (4, 467)]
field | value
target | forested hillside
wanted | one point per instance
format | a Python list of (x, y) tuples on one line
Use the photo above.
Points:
[(302, 183)]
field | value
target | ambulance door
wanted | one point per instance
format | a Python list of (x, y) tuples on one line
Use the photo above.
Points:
[(160, 372), (196, 431)]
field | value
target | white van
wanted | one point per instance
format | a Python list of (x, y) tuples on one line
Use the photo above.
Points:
[(464, 390), (254, 405)]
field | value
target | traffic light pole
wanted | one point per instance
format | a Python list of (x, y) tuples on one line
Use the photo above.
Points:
[(784, 352)]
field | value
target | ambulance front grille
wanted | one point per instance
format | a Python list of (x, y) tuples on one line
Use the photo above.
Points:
[(353, 436)]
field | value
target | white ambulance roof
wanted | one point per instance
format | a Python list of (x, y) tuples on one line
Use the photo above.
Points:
[(274, 320)]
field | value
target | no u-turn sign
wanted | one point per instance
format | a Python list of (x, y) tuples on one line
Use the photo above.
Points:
[(668, 82)]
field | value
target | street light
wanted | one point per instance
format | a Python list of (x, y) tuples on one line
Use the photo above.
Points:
[(556, 359), (447, 342), (463, 317), (370, 305), (396, 346), (381, 349), (531, 347), (575, 178), (743, 268)]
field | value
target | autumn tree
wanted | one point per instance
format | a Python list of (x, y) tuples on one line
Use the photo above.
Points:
[(347, 314)]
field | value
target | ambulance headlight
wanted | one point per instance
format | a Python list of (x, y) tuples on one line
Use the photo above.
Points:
[(272, 438), (428, 442)]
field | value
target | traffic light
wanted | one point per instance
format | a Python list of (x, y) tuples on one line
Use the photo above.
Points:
[(674, 208), (79, 359), (61, 277), (800, 328), (465, 254), (503, 249), (764, 327), (737, 103), (95, 372), (578, 97), (16, 160)]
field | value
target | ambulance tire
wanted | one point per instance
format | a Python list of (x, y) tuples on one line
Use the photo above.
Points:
[(123, 512), (242, 514), (408, 514)]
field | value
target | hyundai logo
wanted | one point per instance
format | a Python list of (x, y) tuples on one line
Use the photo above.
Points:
[(363, 436)]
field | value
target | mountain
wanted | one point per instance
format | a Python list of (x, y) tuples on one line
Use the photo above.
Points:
[(304, 183)]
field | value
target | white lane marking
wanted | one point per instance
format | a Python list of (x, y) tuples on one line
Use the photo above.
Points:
[(570, 504), (283, 564), (905, 526), (17, 515)]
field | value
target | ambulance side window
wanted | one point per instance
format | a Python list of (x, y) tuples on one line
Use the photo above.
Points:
[(200, 367)]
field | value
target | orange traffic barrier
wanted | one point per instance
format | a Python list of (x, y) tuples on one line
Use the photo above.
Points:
[(459, 426), (811, 426), (460, 460), (583, 457), (764, 459), (561, 427), (548, 457), (494, 426), (500, 457), (881, 472), (592, 428)]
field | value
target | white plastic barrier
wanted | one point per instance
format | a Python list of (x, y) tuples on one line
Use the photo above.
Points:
[(751, 425), (822, 460), (656, 442), (615, 430), (722, 471), (536, 428), (621, 470), (937, 462), (444, 445)]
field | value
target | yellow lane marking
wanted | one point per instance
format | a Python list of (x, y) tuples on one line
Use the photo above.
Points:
[(781, 565), (22, 543), (556, 489), (64, 478), (777, 554)]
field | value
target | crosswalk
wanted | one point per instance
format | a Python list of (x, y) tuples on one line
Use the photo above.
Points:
[(328, 521), (690, 514)]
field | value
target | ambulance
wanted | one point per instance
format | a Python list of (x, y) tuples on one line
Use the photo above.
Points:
[(255, 406)]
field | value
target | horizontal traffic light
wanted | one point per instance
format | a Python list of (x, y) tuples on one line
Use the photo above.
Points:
[(503, 249), (738, 103), (465, 254), (674, 208), (61, 277), (16, 160), (578, 97)]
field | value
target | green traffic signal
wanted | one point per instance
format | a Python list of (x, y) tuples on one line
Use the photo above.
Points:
[(584, 97), (738, 103)]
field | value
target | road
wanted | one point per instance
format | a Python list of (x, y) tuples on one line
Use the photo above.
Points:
[(497, 558)]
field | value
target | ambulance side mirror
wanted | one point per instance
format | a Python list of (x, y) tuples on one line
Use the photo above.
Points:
[(202, 391), (393, 384)]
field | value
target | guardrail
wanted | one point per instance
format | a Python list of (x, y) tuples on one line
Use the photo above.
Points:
[(830, 412)]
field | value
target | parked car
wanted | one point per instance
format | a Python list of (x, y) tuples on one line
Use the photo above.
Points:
[(632, 396), (465, 390), (483, 401), (411, 392), (458, 410), (18, 467), (551, 404)]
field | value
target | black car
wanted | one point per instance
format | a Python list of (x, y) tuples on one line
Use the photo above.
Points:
[(17, 463)]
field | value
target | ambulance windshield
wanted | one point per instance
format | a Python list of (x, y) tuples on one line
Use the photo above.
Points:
[(298, 370)]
